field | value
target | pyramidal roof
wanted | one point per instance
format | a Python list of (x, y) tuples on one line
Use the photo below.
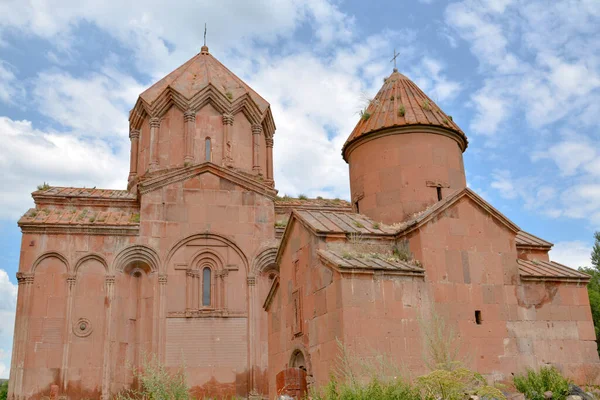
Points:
[(402, 103), (198, 73)]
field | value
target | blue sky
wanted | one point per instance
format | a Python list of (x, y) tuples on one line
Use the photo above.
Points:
[(521, 77)]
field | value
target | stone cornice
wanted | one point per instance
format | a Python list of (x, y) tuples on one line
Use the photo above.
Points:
[(207, 314), (41, 200), (184, 173), (67, 229), (461, 140)]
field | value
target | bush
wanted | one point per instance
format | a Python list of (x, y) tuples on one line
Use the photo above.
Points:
[(157, 383), (456, 384), (374, 390), (3, 390), (533, 384)]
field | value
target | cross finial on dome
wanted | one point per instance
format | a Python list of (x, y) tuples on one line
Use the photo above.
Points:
[(204, 49), (394, 60)]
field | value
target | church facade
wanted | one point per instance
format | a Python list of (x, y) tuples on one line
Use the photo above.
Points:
[(201, 265)]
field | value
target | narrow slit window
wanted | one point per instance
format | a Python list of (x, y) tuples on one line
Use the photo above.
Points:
[(207, 145), (439, 193), (356, 205), (478, 317), (206, 275)]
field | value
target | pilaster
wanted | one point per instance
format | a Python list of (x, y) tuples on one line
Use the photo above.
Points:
[(256, 135), (109, 282), (134, 136), (189, 132), (227, 126), (269, 142), (154, 132)]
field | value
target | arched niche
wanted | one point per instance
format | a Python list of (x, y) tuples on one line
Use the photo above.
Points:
[(46, 332), (229, 268), (145, 256), (88, 322), (135, 301), (300, 358)]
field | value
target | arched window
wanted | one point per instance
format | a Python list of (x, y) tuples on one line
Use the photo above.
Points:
[(206, 275), (207, 146)]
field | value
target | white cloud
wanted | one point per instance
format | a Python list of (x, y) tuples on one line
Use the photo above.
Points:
[(150, 29), (552, 76), (95, 105), (31, 156), (573, 254), (8, 306), (430, 78)]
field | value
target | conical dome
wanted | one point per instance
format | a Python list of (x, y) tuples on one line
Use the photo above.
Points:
[(197, 74), (401, 103)]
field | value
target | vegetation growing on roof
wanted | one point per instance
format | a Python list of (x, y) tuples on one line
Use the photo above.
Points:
[(135, 218), (45, 186), (365, 115), (302, 197), (82, 215), (401, 110), (357, 246), (281, 223), (229, 95), (426, 105)]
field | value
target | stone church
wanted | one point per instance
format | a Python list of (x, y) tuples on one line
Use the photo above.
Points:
[(201, 264)]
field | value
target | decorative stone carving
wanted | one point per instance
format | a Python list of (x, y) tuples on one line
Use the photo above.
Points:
[(227, 119), (134, 134), (109, 279), (24, 278), (162, 279), (71, 279), (82, 327), (251, 280), (189, 115)]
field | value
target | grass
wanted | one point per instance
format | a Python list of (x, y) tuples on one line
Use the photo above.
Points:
[(401, 110), (358, 224), (426, 105), (45, 186), (441, 345), (82, 215), (229, 95), (135, 218), (156, 382), (377, 377), (302, 197), (356, 246), (533, 384), (281, 224), (365, 115), (457, 384), (376, 225)]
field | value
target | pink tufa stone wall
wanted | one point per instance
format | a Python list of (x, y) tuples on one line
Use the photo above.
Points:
[(394, 176), (102, 300), (470, 259)]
